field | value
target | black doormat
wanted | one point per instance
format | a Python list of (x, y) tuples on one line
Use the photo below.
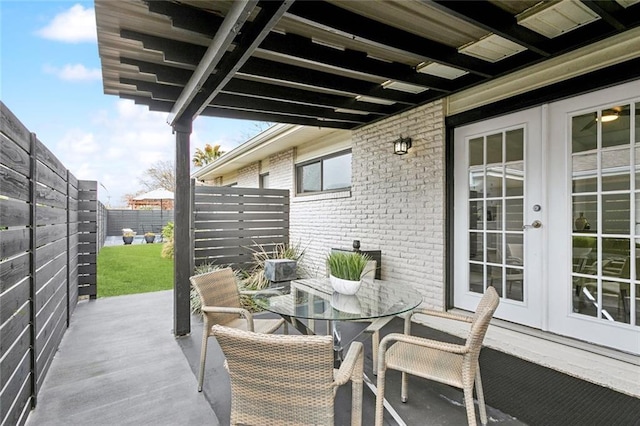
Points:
[(537, 395)]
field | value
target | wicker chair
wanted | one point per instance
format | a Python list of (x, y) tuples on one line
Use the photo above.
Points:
[(454, 365), (220, 299), (287, 380)]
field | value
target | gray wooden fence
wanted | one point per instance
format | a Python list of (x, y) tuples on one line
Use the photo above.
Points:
[(231, 224), (140, 221), (40, 233)]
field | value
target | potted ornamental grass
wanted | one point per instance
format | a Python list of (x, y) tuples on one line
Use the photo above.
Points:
[(346, 271), (149, 237), (127, 235)]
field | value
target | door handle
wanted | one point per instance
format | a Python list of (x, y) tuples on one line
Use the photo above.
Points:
[(535, 224)]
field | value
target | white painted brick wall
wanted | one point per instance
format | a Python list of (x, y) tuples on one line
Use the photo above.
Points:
[(249, 176), (396, 204)]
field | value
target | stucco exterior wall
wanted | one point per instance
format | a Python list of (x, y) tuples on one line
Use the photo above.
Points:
[(396, 204)]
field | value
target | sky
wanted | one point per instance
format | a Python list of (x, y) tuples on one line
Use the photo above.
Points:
[(50, 78)]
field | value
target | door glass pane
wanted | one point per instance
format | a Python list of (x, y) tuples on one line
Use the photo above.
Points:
[(494, 148), (476, 277), (585, 169), (514, 281), (584, 132), (616, 214), (494, 181), (476, 220), (514, 215), (494, 215), (615, 169), (616, 126), (514, 179), (476, 150), (514, 140), (585, 253), (476, 246), (476, 184), (585, 213)]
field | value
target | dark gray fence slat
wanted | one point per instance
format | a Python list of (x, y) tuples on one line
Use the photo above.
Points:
[(50, 251), (14, 327), (277, 224), (12, 300), (209, 208), (48, 177), (13, 128), (14, 213), (51, 345), (51, 197), (50, 215), (87, 289), (237, 233), (254, 243), (51, 271), (14, 241), (245, 217), (46, 316), (203, 191), (46, 157), (241, 199), (14, 156), (13, 271), (49, 234), (14, 185)]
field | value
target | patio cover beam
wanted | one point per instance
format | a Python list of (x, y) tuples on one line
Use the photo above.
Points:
[(232, 24), (250, 37)]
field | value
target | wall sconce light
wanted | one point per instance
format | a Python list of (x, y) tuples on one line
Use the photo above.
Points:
[(401, 146)]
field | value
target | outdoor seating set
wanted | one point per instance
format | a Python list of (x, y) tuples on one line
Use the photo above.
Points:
[(291, 380)]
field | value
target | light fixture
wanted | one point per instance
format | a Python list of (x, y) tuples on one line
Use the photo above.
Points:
[(608, 116), (401, 146)]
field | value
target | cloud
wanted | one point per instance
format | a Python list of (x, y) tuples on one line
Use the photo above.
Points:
[(76, 25), (74, 72)]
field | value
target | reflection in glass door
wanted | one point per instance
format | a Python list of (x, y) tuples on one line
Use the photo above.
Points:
[(496, 194), (605, 182)]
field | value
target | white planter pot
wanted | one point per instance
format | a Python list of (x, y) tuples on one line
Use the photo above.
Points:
[(348, 303), (344, 286)]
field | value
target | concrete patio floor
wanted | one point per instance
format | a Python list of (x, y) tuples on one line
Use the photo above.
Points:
[(119, 364)]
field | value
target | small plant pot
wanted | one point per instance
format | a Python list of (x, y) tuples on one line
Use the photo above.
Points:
[(127, 240), (149, 238)]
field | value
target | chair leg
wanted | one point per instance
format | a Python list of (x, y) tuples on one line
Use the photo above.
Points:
[(375, 343), (468, 403), (203, 353), (404, 389), (481, 405), (380, 398), (286, 328)]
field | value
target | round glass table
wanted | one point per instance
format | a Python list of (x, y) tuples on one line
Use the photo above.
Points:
[(314, 299)]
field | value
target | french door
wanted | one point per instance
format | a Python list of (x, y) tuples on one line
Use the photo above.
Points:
[(499, 215), (596, 232), (547, 210)]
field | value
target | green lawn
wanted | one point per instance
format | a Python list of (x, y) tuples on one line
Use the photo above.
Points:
[(136, 268)]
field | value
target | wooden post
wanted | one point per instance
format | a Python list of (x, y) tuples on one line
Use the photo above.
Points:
[(182, 230), (32, 296)]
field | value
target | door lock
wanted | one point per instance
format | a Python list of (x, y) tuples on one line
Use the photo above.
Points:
[(535, 224)]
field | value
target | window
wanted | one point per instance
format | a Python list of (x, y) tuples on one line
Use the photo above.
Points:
[(329, 173), (264, 180)]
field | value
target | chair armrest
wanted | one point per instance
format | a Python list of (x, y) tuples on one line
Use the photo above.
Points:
[(447, 315), (229, 310), (420, 341), (352, 366), (248, 292)]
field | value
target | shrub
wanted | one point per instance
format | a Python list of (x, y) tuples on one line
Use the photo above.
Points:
[(254, 279), (167, 236)]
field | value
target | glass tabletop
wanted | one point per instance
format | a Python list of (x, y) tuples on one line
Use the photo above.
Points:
[(315, 299)]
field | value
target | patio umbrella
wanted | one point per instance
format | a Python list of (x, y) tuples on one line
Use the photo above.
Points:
[(160, 194)]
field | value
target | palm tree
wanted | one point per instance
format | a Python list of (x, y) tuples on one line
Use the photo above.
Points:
[(206, 156)]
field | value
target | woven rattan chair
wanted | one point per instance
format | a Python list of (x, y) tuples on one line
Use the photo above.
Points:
[(454, 365), (220, 299), (287, 380)]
